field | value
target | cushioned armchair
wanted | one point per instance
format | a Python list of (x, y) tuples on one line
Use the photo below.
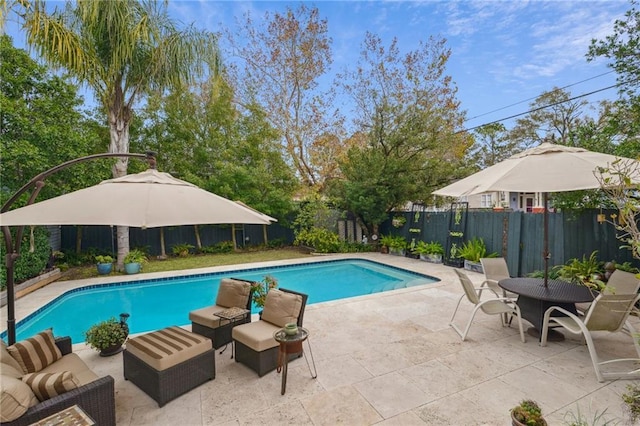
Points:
[(254, 343), (233, 292)]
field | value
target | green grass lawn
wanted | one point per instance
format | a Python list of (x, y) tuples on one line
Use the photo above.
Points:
[(194, 262)]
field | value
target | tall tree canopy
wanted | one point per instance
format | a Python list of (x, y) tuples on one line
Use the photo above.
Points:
[(281, 63), (406, 106), (121, 49)]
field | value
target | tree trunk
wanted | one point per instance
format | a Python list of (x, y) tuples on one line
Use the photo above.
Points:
[(119, 120), (198, 240), (79, 239), (163, 250)]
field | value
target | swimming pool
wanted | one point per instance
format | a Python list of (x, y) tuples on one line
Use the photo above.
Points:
[(158, 303)]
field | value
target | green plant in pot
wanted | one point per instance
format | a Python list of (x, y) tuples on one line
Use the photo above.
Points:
[(106, 336), (472, 251), (133, 261), (397, 245), (261, 288), (104, 264), (431, 251), (528, 413)]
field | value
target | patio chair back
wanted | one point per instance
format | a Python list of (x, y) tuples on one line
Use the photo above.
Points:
[(468, 288), (609, 312), (495, 268), (621, 282)]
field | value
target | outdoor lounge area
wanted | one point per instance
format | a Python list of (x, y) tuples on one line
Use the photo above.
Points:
[(389, 359)]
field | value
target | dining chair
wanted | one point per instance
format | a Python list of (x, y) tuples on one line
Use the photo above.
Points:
[(608, 312), (494, 306), (620, 282), (496, 269)]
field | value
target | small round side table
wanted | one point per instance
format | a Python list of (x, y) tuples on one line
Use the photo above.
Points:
[(292, 344)]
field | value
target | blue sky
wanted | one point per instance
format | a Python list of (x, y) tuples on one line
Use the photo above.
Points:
[(503, 52)]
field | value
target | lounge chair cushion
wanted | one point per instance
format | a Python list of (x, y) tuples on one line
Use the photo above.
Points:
[(257, 335), (206, 316), (168, 347), (15, 398), (233, 293), (281, 307), (73, 363), (48, 385), (35, 353), (6, 360)]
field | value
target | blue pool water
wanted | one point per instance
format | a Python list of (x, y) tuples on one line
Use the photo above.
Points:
[(158, 303)]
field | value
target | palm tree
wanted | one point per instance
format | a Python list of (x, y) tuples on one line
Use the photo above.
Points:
[(122, 49)]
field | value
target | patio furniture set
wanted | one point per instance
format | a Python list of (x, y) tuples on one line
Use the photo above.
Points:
[(549, 304), (164, 363)]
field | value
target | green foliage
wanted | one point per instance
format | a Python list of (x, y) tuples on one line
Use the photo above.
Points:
[(135, 256), (104, 259), (30, 263), (585, 271), (182, 249), (261, 288), (398, 221), (105, 334), (474, 250), (632, 400), (529, 413), (322, 240), (432, 247), (553, 274), (221, 247)]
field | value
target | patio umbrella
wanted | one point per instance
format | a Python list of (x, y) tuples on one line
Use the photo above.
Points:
[(546, 168), (148, 199), (145, 200)]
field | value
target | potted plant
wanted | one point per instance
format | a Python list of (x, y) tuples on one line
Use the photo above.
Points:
[(133, 261), (104, 264), (527, 413), (261, 288), (106, 336), (398, 221), (385, 242), (431, 251), (472, 251), (397, 245)]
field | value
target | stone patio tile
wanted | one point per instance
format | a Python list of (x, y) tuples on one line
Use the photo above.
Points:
[(343, 405), (340, 371), (287, 413), (457, 410), (435, 379), (391, 394)]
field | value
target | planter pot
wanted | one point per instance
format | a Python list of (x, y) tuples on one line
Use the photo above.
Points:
[(384, 249), (396, 251), (412, 255), (537, 209), (473, 266), (132, 268), (455, 262), (516, 422), (104, 268), (112, 350), (432, 258)]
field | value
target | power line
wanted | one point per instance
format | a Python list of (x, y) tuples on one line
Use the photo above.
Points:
[(530, 99), (547, 106)]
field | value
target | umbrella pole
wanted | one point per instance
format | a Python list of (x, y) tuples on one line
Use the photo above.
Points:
[(545, 250)]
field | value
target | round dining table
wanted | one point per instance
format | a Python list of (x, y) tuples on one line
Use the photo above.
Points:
[(534, 298)]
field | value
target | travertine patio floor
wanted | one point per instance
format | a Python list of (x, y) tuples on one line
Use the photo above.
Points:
[(386, 359)]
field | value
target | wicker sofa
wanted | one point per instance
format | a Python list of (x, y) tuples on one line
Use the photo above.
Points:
[(95, 395)]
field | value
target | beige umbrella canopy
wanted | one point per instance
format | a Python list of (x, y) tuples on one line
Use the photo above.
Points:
[(546, 168), (145, 200)]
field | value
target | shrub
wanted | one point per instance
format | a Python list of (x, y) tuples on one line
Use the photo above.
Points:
[(29, 264), (320, 239), (588, 271), (474, 250), (221, 247), (182, 250), (105, 334)]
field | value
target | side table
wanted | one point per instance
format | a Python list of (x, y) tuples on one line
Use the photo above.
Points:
[(292, 344), (232, 315), (71, 416)]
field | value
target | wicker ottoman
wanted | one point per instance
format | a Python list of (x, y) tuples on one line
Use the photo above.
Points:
[(169, 362)]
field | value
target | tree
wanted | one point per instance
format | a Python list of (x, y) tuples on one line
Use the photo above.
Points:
[(120, 49), (491, 146), (41, 126), (282, 61), (553, 116), (406, 107)]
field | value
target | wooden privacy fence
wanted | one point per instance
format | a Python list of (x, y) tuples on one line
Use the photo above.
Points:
[(518, 236)]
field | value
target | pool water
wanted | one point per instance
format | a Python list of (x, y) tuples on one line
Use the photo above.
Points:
[(158, 303)]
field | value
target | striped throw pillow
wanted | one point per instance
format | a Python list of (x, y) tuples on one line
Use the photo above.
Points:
[(35, 353), (48, 385)]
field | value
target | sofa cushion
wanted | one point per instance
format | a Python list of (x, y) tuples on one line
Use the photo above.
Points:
[(15, 398), (206, 316), (281, 307), (35, 353), (11, 371), (48, 385), (233, 293), (257, 335), (73, 363), (6, 358)]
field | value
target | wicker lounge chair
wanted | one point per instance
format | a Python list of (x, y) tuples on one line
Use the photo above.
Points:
[(494, 306), (608, 312), (232, 293), (254, 343)]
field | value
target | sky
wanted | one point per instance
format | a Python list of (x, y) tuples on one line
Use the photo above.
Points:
[(504, 53)]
